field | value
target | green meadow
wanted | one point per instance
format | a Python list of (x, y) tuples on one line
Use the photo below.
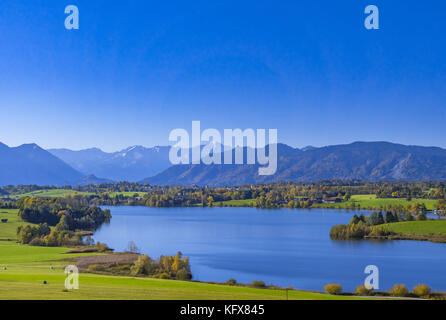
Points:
[(370, 201), (364, 201), (127, 194), (435, 227), (50, 193), (57, 193), (238, 203), (8, 230), (28, 267)]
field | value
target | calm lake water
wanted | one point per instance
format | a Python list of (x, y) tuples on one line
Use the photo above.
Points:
[(282, 247)]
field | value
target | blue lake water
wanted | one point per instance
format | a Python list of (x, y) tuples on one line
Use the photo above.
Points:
[(283, 247)]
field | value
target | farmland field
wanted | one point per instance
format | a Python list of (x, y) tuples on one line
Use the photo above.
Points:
[(51, 193), (370, 201), (238, 203), (418, 227), (8, 229)]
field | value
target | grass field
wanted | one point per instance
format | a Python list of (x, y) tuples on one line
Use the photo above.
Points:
[(8, 230), (50, 193), (365, 201), (370, 201), (58, 193), (237, 203), (418, 227), (27, 268), (127, 194)]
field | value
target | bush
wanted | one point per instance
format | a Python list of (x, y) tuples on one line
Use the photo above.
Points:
[(95, 267), (258, 284), (231, 282), (36, 242), (363, 291), (399, 290), (351, 231), (102, 247), (183, 275), (333, 288), (422, 290), (141, 266), (164, 276)]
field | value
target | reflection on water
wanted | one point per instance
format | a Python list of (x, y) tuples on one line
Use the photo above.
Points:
[(283, 247)]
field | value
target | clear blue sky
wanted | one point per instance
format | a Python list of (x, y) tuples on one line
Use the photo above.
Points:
[(138, 69)]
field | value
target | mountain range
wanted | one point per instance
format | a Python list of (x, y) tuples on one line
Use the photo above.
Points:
[(30, 164), (360, 160), (131, 164)]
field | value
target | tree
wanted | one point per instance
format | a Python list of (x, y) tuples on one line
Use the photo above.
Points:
[(210, 201), (131, 247), (333, 288), (63, 223), (361, 290), (380, 218), (421, 216), (141, 266), (441, 208), (422, 290), (374, 219), (399, 290), (390, 217)]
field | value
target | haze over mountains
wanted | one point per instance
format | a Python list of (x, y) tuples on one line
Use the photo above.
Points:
[(30, 164)]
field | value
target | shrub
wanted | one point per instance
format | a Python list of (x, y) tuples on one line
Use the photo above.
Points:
[(351, 231), (183, 275), (102, 247), (363, 291), (140, 266), (333, 288), (258, 284), (399, 290), (231, 282), (422, 290), (164, 276), (36, 242), (95, 267)]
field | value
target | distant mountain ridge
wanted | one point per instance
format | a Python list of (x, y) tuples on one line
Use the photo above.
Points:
[(131, 164), (30, 164), (358, 160)]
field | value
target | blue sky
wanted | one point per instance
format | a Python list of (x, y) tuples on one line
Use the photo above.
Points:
[(137, 69)]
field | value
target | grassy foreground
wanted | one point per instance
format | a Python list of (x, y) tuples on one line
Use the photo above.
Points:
[(27, 267), (23, 269)]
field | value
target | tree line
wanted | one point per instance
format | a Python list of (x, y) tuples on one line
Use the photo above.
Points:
[(65, 215)]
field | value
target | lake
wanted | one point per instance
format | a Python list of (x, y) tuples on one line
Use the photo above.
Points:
[(284, 247)]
